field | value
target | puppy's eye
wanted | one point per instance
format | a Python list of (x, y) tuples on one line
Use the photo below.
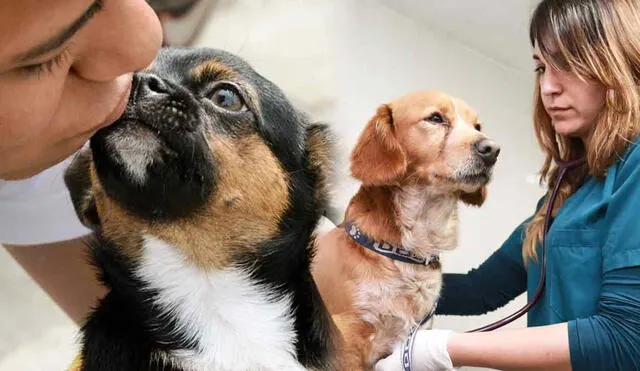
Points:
[(436, 118), (478, 127), (228, 98)]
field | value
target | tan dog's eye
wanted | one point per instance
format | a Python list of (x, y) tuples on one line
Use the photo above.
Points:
[(478, 127), (436, 118), (228, 98)]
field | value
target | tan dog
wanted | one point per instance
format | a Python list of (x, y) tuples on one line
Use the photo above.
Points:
[(416, 158)]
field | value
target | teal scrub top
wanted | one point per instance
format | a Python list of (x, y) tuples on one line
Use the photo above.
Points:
[(597, 230), (592, 276)]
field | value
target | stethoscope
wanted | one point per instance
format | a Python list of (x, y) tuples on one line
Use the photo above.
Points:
[(564, 168)]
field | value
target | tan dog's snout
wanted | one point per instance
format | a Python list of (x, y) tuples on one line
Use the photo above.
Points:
[(487, 150)]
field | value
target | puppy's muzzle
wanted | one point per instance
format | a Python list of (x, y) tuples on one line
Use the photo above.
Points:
[(164, 107), (487, 150)]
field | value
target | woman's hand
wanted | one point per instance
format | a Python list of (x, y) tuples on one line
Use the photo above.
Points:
[(536, 348), (429, 353)]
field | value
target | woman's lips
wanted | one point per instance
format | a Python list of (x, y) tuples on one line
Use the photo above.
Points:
[(559, 111)]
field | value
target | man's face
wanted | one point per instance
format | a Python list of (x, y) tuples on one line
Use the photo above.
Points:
[(65, 72)]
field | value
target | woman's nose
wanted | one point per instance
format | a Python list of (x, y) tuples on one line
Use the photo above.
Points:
[(549, 83)]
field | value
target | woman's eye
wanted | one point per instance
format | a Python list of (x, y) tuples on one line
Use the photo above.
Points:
[(229, 99)]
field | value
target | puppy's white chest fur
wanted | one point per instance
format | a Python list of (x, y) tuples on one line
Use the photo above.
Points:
[(236, 323)]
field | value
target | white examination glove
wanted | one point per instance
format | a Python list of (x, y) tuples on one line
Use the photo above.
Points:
[(429, 353)]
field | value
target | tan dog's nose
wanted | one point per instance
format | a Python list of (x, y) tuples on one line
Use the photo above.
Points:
[(487, 150)]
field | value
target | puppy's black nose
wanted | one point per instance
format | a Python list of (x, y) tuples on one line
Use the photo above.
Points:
[(487, 150), (149, 84)]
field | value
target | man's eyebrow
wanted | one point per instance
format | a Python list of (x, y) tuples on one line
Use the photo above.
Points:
[(59, 39)]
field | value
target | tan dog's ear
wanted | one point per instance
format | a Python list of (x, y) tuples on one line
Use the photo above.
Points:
[(378, 158), (77, 178), (476, 198)]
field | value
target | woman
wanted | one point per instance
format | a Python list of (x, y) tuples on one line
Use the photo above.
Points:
[(587, 58)]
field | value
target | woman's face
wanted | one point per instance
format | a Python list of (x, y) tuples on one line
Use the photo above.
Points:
[(574, 105), (65, 72)]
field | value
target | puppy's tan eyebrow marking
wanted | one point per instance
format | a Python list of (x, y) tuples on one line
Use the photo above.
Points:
[(213, 70)]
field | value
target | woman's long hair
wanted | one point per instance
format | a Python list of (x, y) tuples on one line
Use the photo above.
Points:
[(599, 41)]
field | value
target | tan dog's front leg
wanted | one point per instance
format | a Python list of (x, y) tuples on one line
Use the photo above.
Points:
[(355, 348)]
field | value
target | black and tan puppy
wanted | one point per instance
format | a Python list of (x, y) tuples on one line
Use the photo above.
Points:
[(204, 197)]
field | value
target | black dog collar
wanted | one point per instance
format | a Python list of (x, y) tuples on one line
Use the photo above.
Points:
[(386, 249)]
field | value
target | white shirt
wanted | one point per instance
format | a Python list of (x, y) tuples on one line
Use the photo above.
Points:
[(38, 210)]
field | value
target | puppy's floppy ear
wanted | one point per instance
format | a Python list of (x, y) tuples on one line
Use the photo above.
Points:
[(476, 198), (77, 178), (378, 158)]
